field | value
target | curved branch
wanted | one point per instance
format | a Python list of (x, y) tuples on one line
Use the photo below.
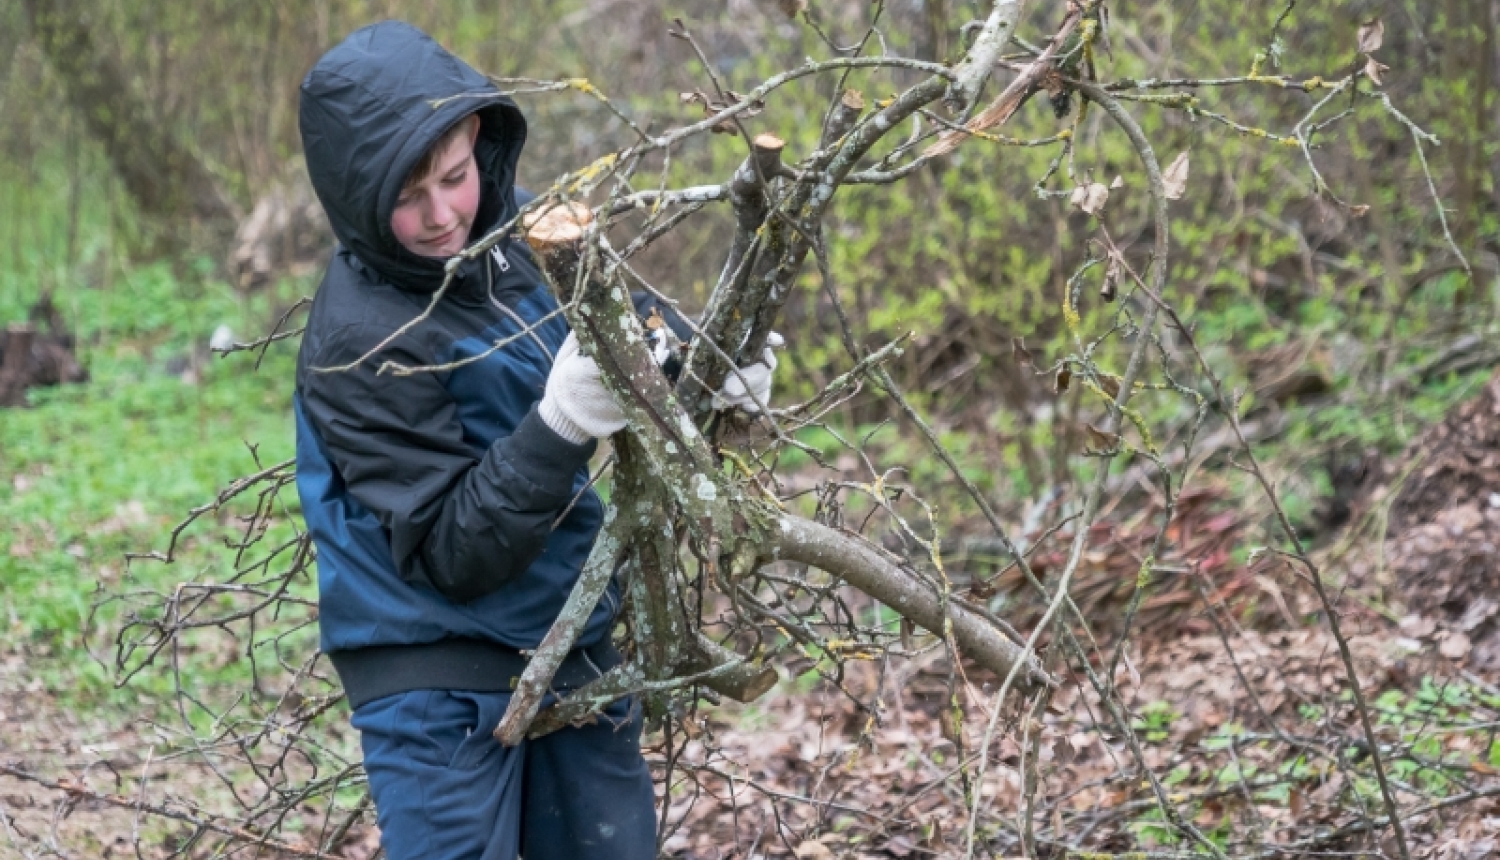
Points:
[(855, 561)]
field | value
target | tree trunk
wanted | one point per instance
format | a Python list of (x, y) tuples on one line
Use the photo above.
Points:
[(1470, 42), (167, 180)]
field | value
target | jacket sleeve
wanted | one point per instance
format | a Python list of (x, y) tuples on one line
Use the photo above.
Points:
[(645, 303), (463, 523)]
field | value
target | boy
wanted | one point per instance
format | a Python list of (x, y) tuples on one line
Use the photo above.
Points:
[(450, 508)]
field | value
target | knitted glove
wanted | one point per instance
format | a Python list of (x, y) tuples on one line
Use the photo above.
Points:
[(576, 404), (752, 385)]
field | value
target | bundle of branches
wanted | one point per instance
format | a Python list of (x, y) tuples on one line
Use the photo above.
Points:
[(728, 573)]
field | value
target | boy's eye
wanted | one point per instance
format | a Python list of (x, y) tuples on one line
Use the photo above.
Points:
[(455, 178)]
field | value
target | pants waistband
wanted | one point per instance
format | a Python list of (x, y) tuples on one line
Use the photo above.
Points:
[(457, 664)]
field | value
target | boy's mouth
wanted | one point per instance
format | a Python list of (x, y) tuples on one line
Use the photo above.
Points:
[(441, 239)]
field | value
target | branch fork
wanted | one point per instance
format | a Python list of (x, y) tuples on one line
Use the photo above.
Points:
[(675, 491)]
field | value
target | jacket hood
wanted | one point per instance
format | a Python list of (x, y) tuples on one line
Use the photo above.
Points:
[(370, 109)]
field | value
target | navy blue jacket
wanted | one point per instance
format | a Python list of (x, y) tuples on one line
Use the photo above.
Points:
[(447, 517)]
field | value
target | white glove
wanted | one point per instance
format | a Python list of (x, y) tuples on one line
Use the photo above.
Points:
[(576, 404), (742, 390)]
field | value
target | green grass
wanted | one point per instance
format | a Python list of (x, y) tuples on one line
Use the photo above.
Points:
[(90, 472)]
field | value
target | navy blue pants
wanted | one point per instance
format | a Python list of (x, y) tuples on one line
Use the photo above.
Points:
[(445, 789)]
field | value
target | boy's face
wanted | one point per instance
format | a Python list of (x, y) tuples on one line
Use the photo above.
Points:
[(434, 213)]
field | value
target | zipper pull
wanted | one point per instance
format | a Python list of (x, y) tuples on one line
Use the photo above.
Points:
[(499, 257)]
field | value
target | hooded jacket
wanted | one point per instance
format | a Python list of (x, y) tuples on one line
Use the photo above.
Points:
[(450, 521)]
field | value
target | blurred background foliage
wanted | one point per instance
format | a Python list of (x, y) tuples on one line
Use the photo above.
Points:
[(1279, 282)]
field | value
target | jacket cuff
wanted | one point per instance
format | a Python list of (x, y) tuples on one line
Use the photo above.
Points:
[(560, 423), (544, 457)]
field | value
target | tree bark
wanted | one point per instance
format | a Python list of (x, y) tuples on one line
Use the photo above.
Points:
[(670, 487), (165, 177), (1470, 42), (860, 564)]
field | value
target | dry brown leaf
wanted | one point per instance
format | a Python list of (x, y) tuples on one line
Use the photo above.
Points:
[(1374, 69), (1456, 646), (1175, 177), (812, 849), (1371, 36), (1105, 442), (1418, 627), (1109, 383), (1095, 198), (1111, 279), (1090, 198), (792, 8), (1064, 377)]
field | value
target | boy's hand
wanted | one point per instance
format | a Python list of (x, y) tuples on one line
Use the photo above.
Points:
[(751, 387), (576, 404), (578, 407)]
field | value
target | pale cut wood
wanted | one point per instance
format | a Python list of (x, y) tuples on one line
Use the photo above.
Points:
[(558, 225), (769, 142)]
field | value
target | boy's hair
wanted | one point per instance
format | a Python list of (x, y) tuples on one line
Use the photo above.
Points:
[(428, 162)]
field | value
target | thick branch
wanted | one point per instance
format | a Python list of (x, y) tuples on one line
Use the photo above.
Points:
[(1011, 98), (549, 655), (980, 61), (766, 295), (663, 463), (743, 681), (850, 105), (749, 194), (856, 562)]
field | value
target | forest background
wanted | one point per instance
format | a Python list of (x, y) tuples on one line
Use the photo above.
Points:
[(138, 137)]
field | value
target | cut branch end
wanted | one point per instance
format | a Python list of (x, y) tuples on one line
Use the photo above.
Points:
[(557, 226)]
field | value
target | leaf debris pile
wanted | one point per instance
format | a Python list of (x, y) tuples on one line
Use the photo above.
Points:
[(1444, 545), (816, 776)]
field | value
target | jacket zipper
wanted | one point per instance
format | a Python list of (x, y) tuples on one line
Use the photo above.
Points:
[(504, 265)]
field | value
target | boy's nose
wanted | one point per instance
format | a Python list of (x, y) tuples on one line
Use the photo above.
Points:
[(439, 213)]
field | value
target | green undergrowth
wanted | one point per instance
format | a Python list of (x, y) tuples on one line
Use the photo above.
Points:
[(1436, 739), (90, 472)]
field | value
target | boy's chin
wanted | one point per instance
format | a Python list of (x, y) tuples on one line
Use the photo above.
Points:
[(437, 252), (441, 249)]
